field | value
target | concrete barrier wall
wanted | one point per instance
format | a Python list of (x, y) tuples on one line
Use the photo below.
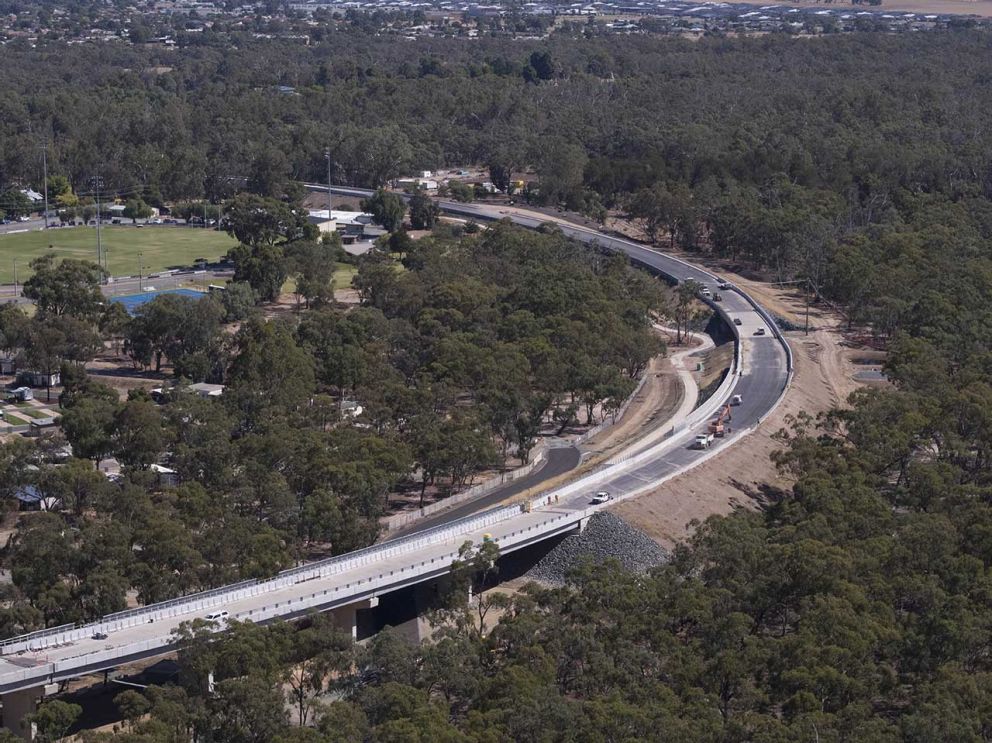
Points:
[(402, 519), (340, 595), (201, 602)]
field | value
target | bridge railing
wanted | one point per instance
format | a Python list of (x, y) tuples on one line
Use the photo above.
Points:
[(329, 597), (198, 602)]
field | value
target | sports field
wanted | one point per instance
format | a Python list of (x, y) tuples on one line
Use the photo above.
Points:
[(159, 248)]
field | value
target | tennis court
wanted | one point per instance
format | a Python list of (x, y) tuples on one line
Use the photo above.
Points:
[(132, 302)]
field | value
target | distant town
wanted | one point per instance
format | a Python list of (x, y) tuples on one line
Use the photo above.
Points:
[(172, 23)]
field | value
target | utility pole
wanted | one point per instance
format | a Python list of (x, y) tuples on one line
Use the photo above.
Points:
[(327, 156), (204, 215), (44, 165), (15, 281), (139, 272), (97, 182)]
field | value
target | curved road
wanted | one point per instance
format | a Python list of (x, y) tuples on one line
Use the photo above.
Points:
[(343, 583), (558, 461)]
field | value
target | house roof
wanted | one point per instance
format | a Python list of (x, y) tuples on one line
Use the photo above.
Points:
[(341, 217), (28, 494), (203, 388)]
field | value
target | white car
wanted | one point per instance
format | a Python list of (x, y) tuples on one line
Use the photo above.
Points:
[(601, 497), (217, 616)]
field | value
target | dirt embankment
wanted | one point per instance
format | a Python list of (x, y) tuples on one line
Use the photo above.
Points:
[(824, 378)]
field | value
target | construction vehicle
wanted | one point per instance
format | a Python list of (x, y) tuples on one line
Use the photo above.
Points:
[(718, 426), (703, 441)]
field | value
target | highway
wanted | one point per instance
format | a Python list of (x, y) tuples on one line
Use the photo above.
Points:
[(356, 580)]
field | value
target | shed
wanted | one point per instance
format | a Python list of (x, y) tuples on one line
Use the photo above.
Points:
[(207, 390), (37, 425)]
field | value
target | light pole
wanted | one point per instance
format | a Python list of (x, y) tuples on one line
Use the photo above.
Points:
[(327, 156), (139, 272), (44, 165), (97, 182)]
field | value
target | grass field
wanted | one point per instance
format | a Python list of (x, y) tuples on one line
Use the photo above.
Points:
[(160, 248)]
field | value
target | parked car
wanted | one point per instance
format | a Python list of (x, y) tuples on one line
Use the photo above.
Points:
[(737, 321), (99, 635), (601, 497), (759, 331)]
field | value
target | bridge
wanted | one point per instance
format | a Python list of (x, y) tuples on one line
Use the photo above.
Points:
[(343, 585)]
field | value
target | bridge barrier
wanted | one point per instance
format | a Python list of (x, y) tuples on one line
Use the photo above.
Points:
[(217, 597), (402, 519), (339, 595)]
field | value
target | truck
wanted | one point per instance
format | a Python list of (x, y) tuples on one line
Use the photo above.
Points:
[(718, 426), (703, 441)]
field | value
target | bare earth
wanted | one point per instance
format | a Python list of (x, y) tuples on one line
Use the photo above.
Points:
[(730, 480), (654, 404)]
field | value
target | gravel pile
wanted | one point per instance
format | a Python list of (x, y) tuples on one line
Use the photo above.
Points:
[(605, 536)]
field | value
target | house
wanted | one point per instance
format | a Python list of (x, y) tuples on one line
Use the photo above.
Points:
[(349, 223), (351, 408), (207, 390), (33, 196), (39, 379), (30, 498), (319, 218), (8, 364), (415, 183), (167, 478)]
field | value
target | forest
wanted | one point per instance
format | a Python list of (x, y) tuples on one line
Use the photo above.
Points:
[(769, 150), (458, 360), (854, 605)]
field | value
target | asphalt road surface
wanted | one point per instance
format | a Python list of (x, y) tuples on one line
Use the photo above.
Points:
[(765, 364), (558, 462)]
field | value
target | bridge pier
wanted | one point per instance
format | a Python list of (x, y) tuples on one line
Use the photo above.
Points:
[(582, 524), (346, 617), (16, 706)]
